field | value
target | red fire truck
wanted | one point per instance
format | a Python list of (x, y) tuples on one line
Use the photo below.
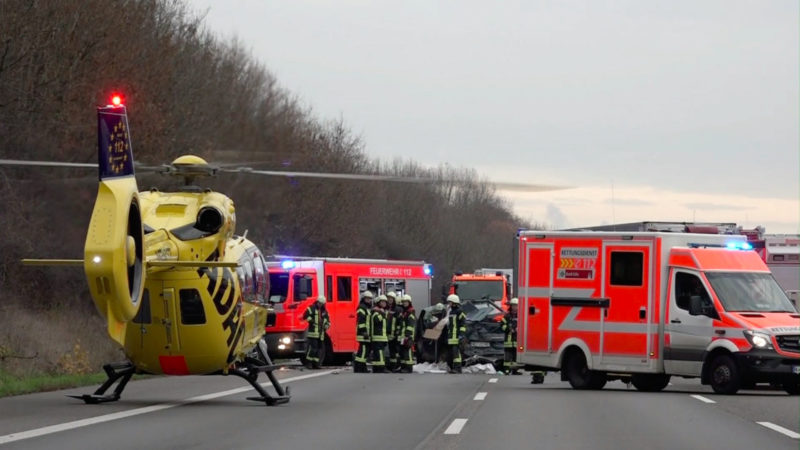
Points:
[(642, 306), (295, 282)]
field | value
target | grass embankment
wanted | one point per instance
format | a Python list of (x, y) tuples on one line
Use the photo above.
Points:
[(55, 348), (16, 385)]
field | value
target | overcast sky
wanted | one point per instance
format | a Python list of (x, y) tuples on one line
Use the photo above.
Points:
[(652, 110)]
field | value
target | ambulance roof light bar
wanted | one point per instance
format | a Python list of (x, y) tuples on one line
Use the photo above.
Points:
[(729, 246)]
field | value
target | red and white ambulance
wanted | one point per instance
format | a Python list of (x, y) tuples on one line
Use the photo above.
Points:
[(295, 282), (643, 306)]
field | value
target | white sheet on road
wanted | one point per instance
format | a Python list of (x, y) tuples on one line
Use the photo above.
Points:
[(442, 368)]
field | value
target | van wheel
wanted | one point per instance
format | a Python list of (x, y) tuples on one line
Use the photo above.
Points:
[(648, 382), (792, 387), (724, 375), (578, 373), (598, 380)]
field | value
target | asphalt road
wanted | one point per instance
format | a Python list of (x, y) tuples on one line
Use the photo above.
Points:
[(339, 409)]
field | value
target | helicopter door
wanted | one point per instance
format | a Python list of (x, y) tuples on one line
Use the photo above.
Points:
[(149, 331), (168, 320)]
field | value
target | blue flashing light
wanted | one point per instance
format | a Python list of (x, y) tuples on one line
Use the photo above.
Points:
[(287, 264), (428, 269), (739, 246)]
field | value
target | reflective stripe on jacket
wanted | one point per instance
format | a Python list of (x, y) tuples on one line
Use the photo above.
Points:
[(456, 326), (378, 331), (509, 326), (362, 322)]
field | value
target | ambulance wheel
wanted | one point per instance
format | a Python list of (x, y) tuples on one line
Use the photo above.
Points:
[(578, 373), (647, 382), (724, 375), (598, 380), (792, 387)]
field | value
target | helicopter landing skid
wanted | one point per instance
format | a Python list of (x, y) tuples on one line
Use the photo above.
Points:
[(122, 371), (255, 364), (282, 397)]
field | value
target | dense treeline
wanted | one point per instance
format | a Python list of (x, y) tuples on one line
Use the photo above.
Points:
[(189, 92)]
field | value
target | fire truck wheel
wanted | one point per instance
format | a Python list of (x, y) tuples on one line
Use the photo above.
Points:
[(724, 375), (647, 382), (578, 373)]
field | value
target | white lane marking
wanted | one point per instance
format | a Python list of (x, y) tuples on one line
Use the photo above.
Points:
[(492, 380), (780, 429), (703, 399), (456, 426), (138, 411), (480, 396)]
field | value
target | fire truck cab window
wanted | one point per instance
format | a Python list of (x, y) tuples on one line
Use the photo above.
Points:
[(344, 289), (143, 316), (278, 287), (192, 312), (626, 268), (302, 286)]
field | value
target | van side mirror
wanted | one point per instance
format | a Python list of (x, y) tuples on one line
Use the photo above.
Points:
[(698, 307)]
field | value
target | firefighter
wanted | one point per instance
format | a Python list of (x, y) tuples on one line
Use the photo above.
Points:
[(393, 312), (318, 323), (363, 332), (407, 324), (509, 326), (456, 331), (379, 335)]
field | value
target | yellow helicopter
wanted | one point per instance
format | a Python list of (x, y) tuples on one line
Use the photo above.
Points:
[(181, 293)]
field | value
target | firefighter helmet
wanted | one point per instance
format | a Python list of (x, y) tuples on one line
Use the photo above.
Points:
[(513, 301), (382, 297), (453, 298), (321, 300), (392, 294), (406, 298), (438, 307), (367, 294)]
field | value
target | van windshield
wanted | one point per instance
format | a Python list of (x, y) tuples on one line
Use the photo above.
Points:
[(479, 290), (745, 292)]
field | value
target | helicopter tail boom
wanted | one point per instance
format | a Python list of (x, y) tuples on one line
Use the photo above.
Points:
[(113, 254)]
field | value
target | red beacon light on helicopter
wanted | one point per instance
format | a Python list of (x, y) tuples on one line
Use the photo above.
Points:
[(116, 100)]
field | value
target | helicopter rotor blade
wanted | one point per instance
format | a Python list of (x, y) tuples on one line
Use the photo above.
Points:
[(18, 162), (503, 186), (27, 163)]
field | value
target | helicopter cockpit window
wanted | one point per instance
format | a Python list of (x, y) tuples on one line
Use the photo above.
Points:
[(143, 316), (248, 289), (260, 278), (192, 312), (265, 278)]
